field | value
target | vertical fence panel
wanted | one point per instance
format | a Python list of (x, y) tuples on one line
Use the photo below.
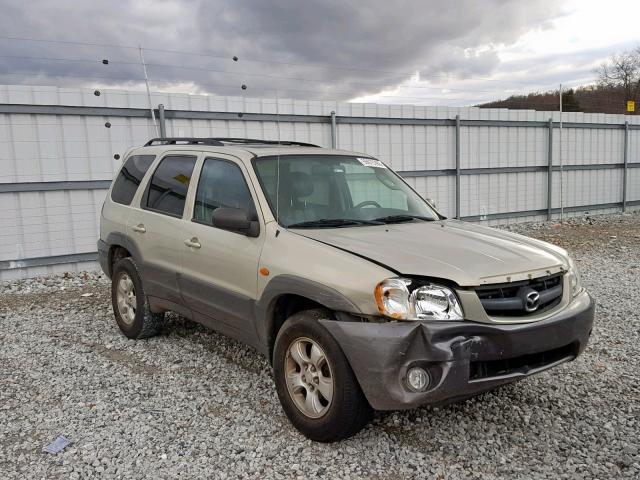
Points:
[(626, 165), (458, 166), (550, 169), (633, 167)]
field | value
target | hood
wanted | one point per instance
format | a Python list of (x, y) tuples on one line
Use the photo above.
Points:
[(464, 253)]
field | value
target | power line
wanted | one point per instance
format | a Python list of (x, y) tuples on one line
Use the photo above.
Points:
[(55, 59), (68, 42), (182, 52), (236, 87), (277, 62), (381, 87), (324, 93), (330, 66), (85, 77), (299, 79), (243, 74)]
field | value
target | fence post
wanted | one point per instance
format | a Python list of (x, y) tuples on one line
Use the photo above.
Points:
[(626, 162), (334, 131), (163, 128), (458, 167), (549, 169)]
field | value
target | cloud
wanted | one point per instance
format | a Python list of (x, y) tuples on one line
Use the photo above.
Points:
[(329, 49)]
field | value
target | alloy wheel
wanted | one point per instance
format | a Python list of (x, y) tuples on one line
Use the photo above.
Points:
[(126, 298), (309, 377)]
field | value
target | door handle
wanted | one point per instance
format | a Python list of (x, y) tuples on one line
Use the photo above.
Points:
[(140, 228), (193, 243)]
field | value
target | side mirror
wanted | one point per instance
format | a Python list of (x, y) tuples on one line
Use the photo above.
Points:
[(431, 202), (235, 220)]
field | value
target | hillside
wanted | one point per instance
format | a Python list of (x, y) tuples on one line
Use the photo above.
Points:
[(589, 99)]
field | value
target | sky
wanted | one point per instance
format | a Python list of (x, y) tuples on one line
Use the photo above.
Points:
[(426, 52)]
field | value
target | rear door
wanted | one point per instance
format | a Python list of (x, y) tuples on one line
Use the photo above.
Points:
[(116, 208), (155, 225), (219, 268)]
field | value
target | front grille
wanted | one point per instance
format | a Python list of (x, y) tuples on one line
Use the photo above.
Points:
[(521, 364), (521, 298)]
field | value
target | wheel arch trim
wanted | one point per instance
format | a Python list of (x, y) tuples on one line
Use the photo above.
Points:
[(281, 285)]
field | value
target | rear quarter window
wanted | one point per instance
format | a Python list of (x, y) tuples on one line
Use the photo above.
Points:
[(130, 177)]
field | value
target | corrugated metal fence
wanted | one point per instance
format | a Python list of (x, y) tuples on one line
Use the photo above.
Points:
[(497, 166)]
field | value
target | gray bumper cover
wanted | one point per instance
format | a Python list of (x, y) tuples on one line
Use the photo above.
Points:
[(381, 353)]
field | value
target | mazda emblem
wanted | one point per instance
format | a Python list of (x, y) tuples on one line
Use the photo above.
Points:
[(532, 301)]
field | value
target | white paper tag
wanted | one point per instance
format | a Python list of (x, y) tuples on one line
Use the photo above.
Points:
[(57, 445), (371, 162)]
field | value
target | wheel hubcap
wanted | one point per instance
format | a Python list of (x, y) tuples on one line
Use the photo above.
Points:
[(126, 299), (309, 377)]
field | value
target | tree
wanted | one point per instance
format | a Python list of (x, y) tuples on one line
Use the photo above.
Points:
[(622, 71), (569, 101)]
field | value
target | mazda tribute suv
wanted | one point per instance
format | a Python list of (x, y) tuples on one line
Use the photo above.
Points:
[(360, 294)]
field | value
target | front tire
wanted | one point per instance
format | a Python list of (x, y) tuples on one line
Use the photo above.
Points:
[(130, 303), (317, 388)]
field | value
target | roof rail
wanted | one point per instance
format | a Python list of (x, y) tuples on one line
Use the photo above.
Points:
[(183, 141), (254, 141), (221, 142)]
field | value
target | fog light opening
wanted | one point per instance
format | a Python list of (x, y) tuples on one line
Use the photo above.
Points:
[(417, 379)]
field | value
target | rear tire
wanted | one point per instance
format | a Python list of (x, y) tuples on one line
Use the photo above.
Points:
[(130, 303), (317, 388)]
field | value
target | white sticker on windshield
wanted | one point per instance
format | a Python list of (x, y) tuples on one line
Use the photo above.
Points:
[(371, 162)]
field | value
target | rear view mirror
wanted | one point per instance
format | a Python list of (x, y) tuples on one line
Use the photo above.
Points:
[(235, 220)]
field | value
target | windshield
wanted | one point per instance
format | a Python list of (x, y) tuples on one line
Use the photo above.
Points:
[(328, 191)]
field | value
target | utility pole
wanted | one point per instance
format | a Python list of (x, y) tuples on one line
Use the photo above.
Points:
[(146, 79)]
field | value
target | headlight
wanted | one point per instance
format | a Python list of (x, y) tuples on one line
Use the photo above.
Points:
[(574, 277), (429, 301)]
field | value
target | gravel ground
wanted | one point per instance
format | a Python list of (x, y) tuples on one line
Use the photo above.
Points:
[(192, 403)]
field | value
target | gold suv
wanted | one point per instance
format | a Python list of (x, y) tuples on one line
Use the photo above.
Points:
[(361, 295)]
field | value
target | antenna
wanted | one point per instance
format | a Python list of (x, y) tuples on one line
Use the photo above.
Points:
[(278, 161), (146, 79)]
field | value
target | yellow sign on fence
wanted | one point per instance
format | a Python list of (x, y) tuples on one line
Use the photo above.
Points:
[(631, 106)]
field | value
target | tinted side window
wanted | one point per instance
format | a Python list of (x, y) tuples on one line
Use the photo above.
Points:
[(129, 178), (221, 184), (168, 187)]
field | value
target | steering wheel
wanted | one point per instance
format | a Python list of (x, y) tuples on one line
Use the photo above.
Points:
[(366, 203)]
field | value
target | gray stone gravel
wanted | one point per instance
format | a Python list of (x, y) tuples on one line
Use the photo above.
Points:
[(192, 404), (58, 283)]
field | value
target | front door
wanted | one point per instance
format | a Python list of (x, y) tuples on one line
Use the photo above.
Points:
[(219, 272)]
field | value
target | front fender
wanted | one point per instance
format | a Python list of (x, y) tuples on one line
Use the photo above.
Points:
[(294, 285)]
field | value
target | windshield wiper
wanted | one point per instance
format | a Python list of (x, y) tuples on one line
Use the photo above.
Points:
[(403, 218), (333, 222)]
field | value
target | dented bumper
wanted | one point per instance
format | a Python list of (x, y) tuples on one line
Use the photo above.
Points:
[(462, 358)]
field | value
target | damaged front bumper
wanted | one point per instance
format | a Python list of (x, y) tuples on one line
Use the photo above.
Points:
[(462, 358)]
